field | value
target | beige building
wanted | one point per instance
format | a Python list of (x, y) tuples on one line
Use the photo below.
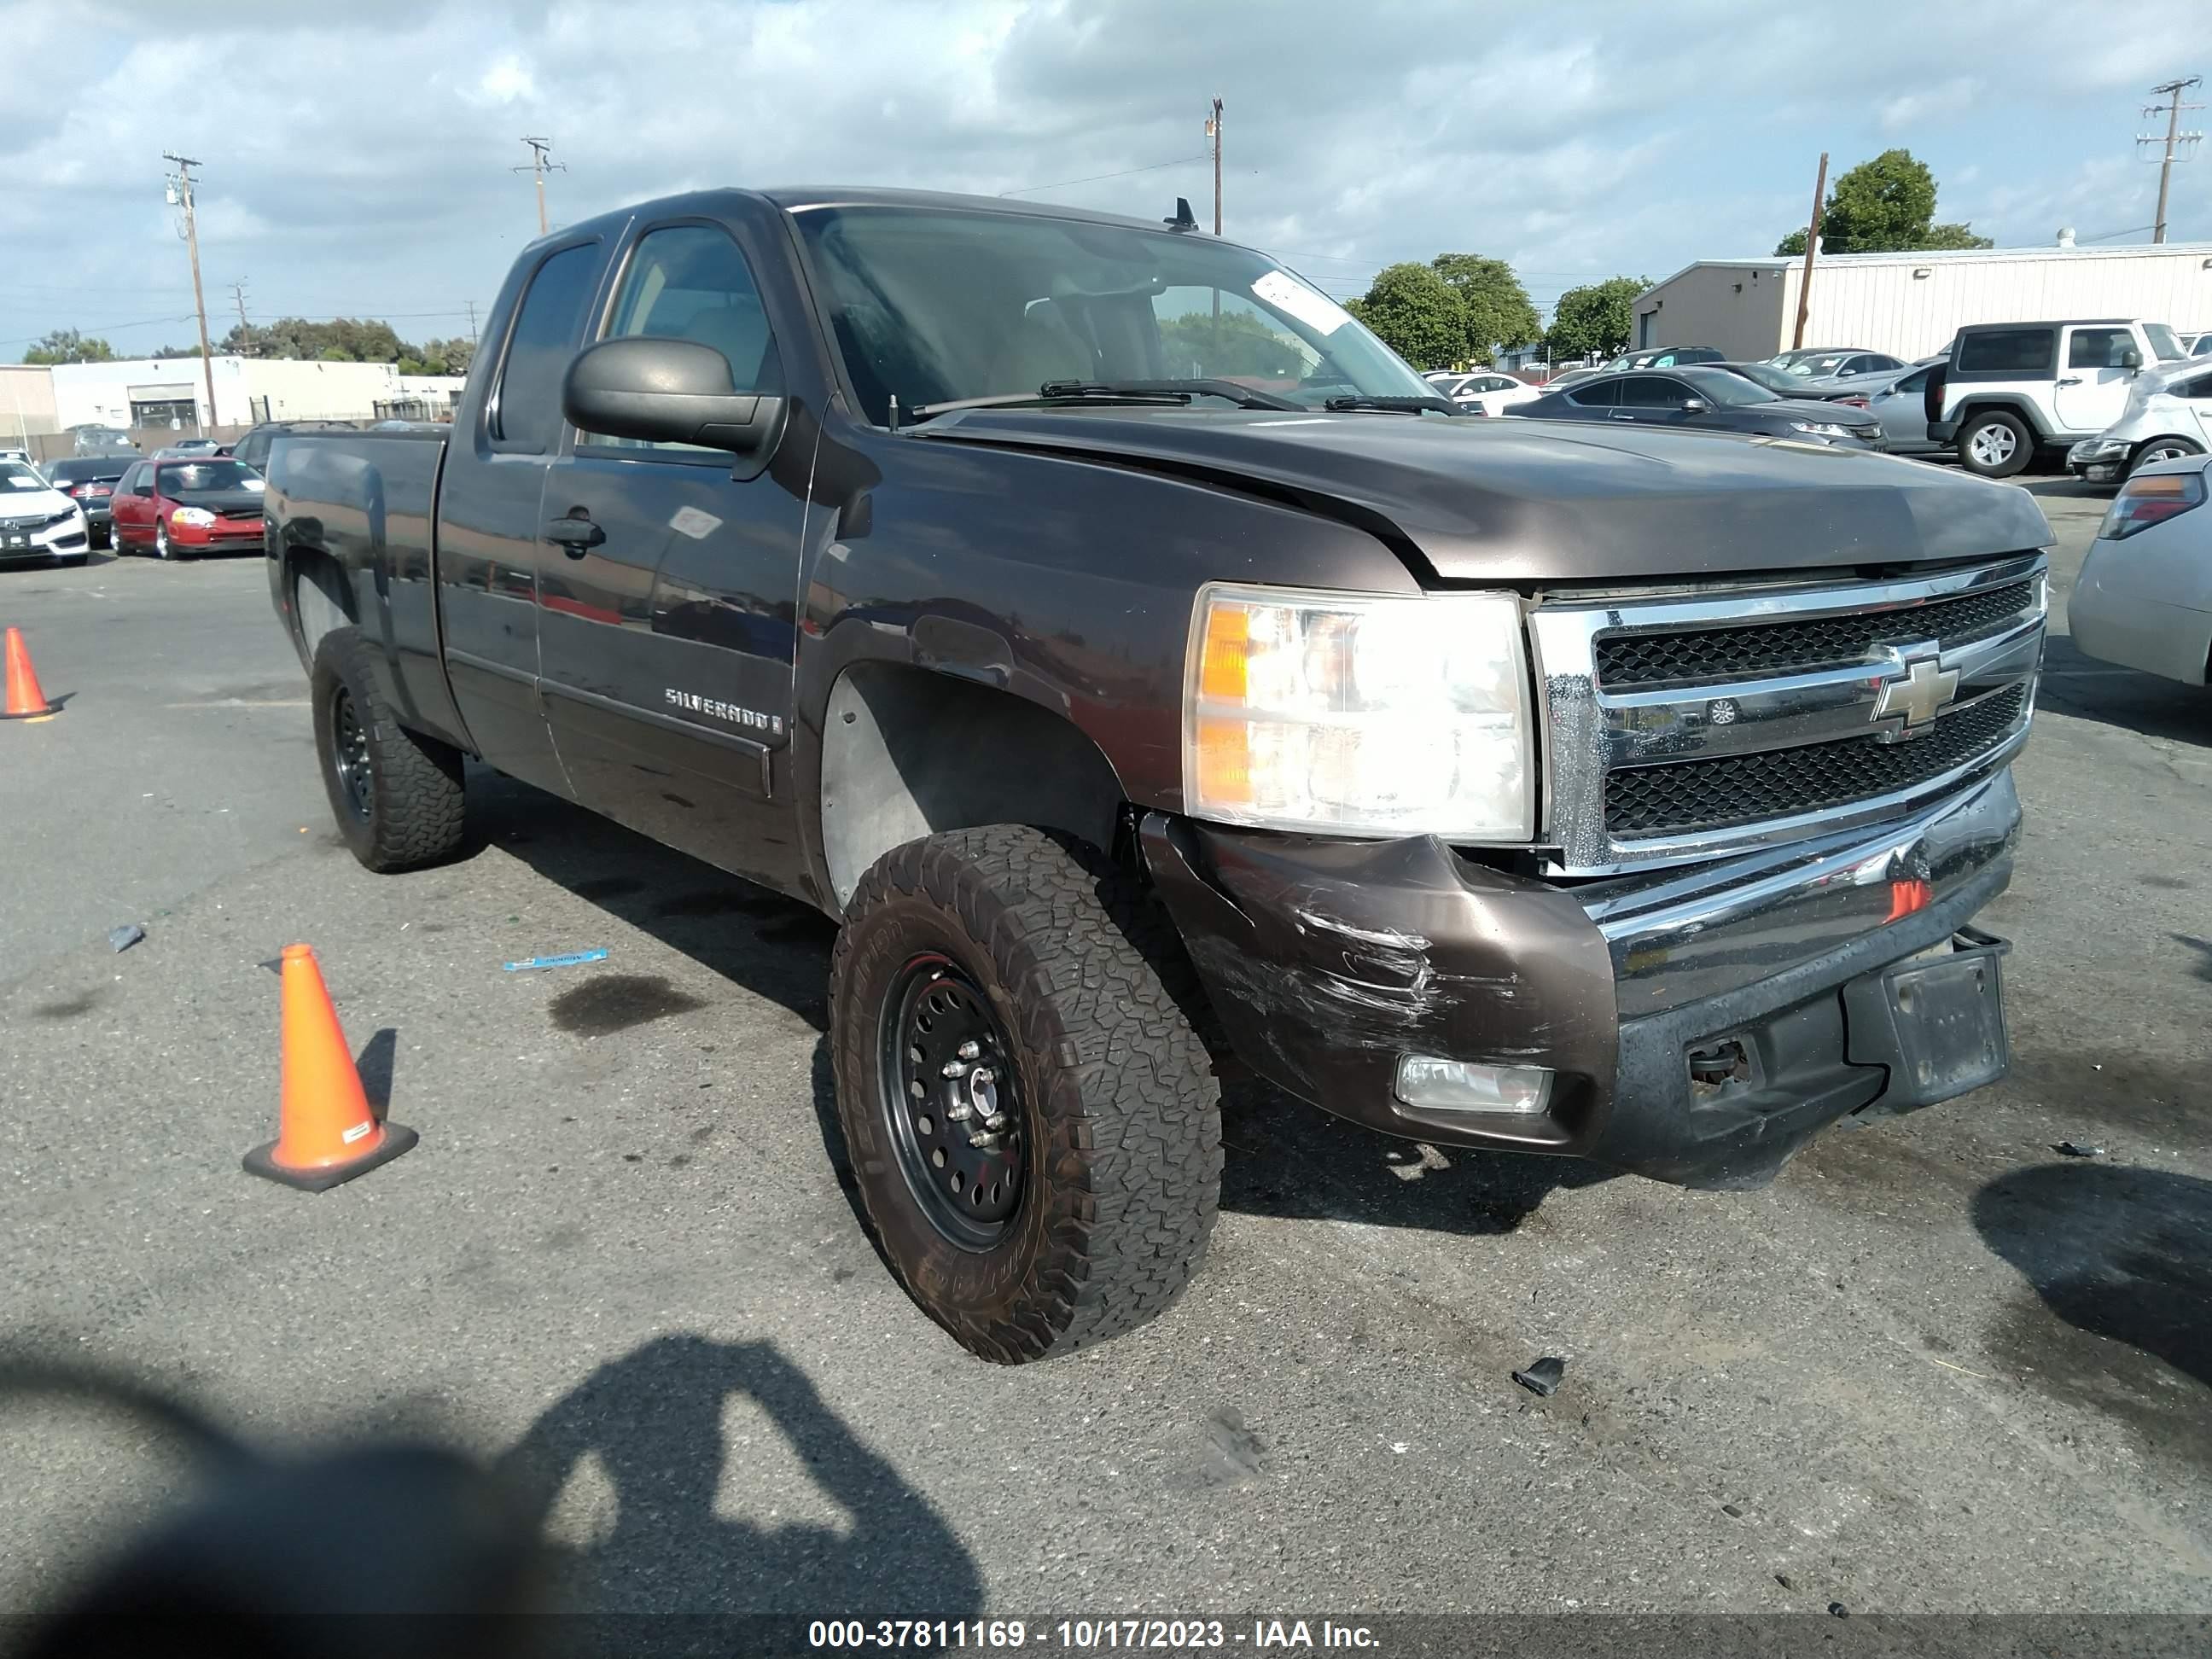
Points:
[(26, 402), (1911, 304), (172, 393)]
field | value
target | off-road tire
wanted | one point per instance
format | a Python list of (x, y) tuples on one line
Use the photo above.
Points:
[(1117, 1100), (416, 809), (2023, 450)]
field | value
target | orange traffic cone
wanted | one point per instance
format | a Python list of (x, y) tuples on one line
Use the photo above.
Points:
[(325, 1132), (25, 701)]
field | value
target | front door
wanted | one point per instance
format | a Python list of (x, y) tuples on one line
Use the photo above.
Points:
[(2092, 379), (666, 635)]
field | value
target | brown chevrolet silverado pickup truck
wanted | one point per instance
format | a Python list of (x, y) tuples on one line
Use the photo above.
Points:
[(1121, 643)]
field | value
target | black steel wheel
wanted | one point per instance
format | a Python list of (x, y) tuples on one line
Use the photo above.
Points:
[(396, 794), (1033, 1127), (952, 1102)]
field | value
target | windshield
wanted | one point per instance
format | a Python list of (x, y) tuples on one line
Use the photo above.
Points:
[(1766, 374), (1808, 369), (932, 305), (1718, 386), (2163, 343), (190, 477), (14, 475)]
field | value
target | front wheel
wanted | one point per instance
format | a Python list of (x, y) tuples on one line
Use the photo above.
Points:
[(1033, 1124), (163, 548), (396, 795), (1995, 444), (2162, 449)]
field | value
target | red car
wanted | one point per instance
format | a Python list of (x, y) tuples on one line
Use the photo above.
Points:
[(205, 504)]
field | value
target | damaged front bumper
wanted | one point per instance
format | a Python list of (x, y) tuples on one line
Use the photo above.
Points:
[(1699, 1024)]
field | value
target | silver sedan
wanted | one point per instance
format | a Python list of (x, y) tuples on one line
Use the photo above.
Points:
[(2144, 597)]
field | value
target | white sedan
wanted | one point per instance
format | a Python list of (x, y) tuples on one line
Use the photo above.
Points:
[(2144, 597), (1492, 393), (38, 523)]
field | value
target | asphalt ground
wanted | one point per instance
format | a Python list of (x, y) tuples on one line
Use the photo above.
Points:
[(1935, 1366)]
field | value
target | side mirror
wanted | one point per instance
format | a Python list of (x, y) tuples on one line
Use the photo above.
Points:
[(669, 392), (2132, 358), (1695, 405)]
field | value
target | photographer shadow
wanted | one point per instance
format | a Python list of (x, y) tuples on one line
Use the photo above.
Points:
[(653, 1420)]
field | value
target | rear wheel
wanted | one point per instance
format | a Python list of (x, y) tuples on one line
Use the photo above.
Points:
[(1995, 444), (1033, 1127), (396, 794), (2162, 449)]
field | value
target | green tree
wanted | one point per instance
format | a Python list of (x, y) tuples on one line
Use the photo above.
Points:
[(66, 345), (1417, 313), (1238, 342), (1884, 206), (1498, 312), (1596, 317)]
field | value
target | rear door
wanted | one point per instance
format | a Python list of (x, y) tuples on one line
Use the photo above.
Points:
[(2092, 378), (490, 519), (666, 645)]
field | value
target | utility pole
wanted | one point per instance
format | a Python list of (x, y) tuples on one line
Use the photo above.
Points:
[(541, 163), (472, 322), (2172, 91), (1811, 242), (238, 294), (1213, 131), (184, 166)]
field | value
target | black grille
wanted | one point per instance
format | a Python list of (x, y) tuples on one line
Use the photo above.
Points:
[(1793, 648), (1728, 789)]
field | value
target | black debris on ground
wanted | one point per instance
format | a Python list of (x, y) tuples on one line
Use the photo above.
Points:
[(1542, 1377)]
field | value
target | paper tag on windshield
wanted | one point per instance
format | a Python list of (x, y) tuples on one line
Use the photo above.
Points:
[(1316, 310)]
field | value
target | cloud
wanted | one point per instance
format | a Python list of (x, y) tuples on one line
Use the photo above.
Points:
[(359, 159)]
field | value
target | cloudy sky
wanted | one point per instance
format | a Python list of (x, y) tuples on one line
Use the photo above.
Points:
[(355, 155)]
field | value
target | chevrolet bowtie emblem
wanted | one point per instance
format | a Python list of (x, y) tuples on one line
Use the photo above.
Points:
[(1918, 694)]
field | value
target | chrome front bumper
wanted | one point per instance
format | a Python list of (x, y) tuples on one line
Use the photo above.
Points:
[(1686, 935)]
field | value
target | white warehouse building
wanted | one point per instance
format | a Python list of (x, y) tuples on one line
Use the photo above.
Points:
[(1909, 305), (172, 392)]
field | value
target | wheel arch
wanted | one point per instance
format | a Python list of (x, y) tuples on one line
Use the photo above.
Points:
[(1985, 403), (909, 752)]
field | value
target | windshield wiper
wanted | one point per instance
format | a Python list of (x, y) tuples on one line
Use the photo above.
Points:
[(1389, 405), (1058, 392), (1175, 393)]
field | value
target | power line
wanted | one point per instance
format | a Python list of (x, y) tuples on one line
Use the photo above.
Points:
[(1063, 184)]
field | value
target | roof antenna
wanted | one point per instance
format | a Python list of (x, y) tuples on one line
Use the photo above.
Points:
[(1184, 218)]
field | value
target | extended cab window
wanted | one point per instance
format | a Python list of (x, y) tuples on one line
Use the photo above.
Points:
[(2006, 350), (528, 411), (2098, 348), (689, 282)]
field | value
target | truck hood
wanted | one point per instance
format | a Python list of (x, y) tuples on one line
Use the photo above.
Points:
[(1531, 501)]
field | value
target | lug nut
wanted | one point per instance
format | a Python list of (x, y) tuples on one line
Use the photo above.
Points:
[(959, 1111), (970, 1048), (996, 1120), (981, 1141), (955, 1068)]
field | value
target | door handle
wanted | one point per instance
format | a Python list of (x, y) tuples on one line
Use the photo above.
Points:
[(574, 535), (2070, 379)]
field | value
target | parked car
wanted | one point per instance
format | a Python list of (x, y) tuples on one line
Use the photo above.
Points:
[(177, 508), (1663, 357), (1708, 399), (2007, 391), (1836, 364), (2143, 597), (760, 498), (1489, 392), (2168, 418), (101, 441), (90, 481), (191, 447), (1897, 402), (38, 523), (1569, 377), (253, 448), (2198, 345), (1780, 382)]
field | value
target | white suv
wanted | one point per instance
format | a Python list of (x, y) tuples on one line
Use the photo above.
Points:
[(2009, 389)]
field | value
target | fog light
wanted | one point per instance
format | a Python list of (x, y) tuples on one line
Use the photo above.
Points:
[(1467, 1085)]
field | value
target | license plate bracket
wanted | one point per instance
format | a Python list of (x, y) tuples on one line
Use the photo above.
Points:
[(15, 541), (1936, 1022)]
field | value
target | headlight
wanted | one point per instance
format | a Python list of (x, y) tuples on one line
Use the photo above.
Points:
[(1820, 428), (2150, 498), (191, 515), (1367, 714)]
